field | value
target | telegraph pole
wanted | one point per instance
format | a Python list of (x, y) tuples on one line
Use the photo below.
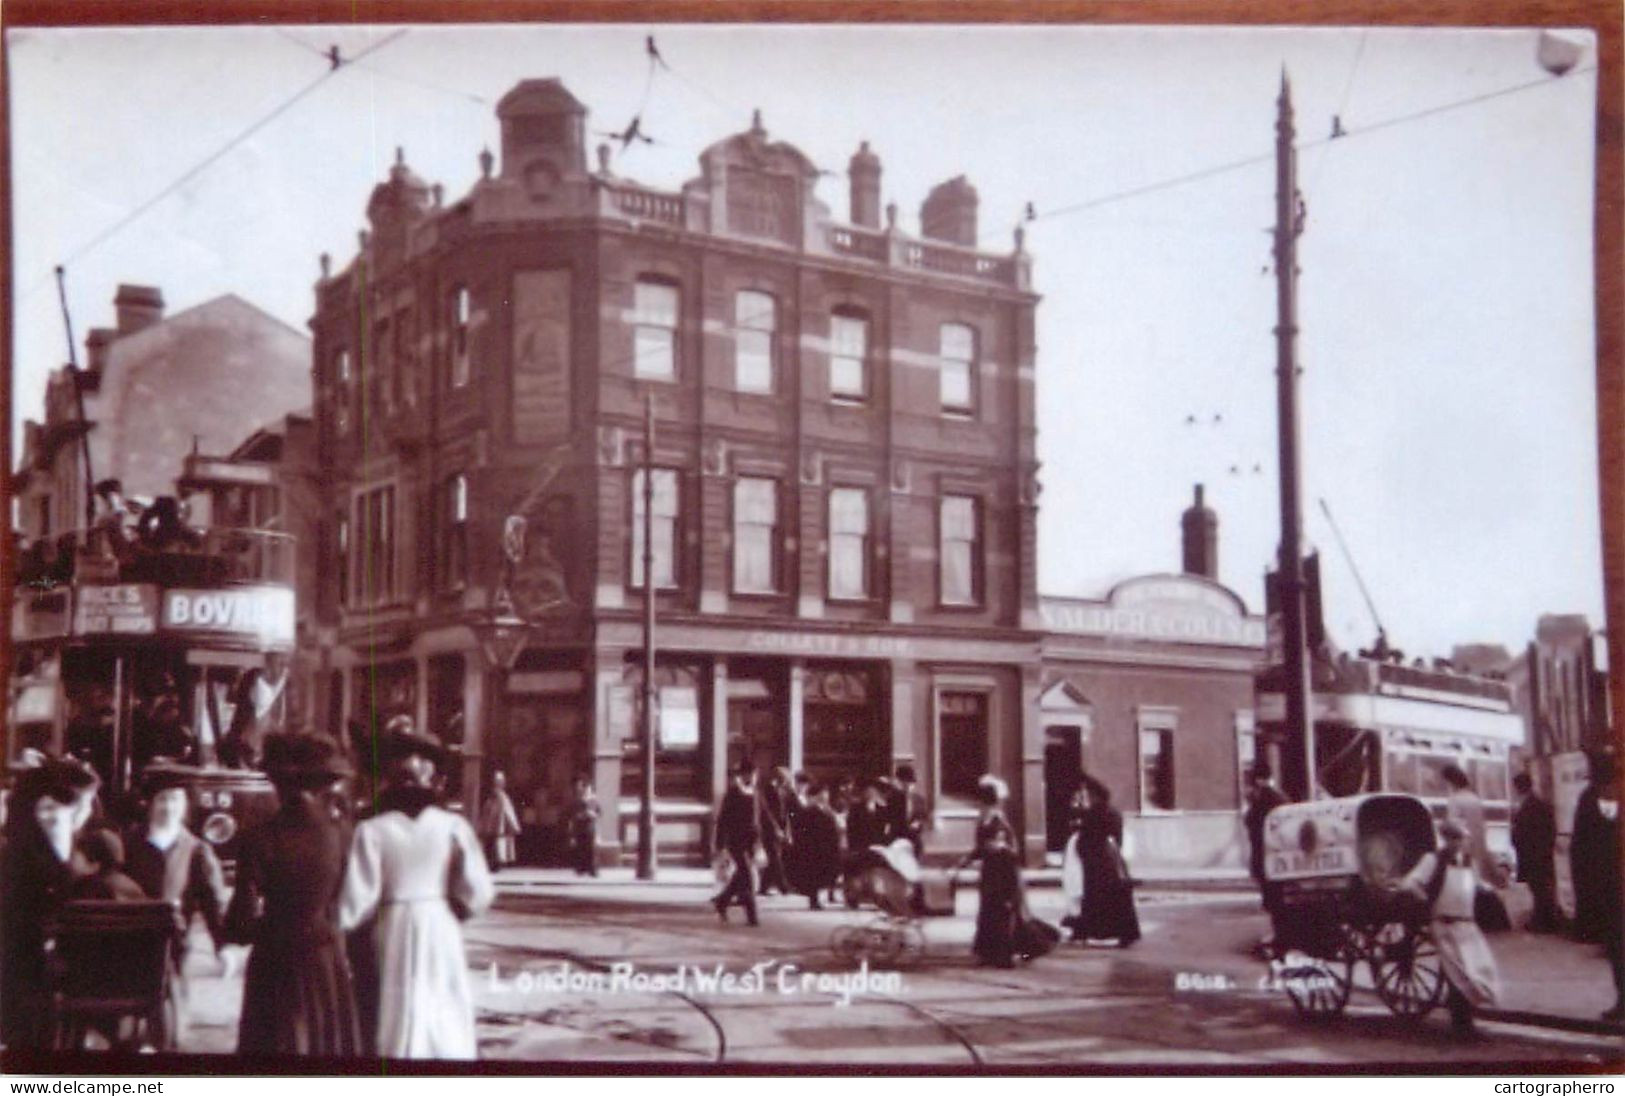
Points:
[(1289, 219), (78, 400), (646, 803)]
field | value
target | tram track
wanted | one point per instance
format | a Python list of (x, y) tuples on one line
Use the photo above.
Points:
[(806, 957)]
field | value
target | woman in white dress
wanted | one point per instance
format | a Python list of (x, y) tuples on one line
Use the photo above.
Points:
[(416, 871)]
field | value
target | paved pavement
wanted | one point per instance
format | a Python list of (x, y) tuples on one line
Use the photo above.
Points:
[(619, 971)]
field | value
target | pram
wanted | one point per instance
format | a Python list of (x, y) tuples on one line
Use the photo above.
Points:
[(892, 879)]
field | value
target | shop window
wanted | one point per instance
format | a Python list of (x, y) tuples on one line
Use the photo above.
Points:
[(654, 307), (848, 356), (682, 769), (962, 734), (960, 547), (848, 543), (462, 311), (1157, 764), (755, 534), (665, 528), (842, 735), (957, 368), (755, 320)]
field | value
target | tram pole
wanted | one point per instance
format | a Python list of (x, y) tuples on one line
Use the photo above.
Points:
[(1289, 223), (78, 400), (646, 801)]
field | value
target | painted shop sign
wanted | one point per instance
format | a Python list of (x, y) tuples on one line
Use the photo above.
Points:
[(1169, 608), (831, 644), (264, 613)]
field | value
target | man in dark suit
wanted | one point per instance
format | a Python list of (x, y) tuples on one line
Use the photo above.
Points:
[(774, 820), (1534, 834), (913, 812), (1593, 836), (1262, 798), (737, 834)]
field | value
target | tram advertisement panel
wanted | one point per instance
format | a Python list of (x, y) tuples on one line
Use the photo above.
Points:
[(127, 609), (264, 614)]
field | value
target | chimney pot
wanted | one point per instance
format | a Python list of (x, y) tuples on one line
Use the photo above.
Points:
[(949, 213), (1199, 528), (864, 172), (137, 307)]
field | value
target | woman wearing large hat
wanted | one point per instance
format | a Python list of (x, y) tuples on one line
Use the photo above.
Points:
[(416, 871), (50, 805), (298, 997)]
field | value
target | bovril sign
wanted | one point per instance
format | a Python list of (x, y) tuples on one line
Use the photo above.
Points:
[(263, 613)]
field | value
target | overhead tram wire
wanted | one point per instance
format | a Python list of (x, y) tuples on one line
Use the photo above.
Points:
[(1349, 134), (208, 161), (467, 96)]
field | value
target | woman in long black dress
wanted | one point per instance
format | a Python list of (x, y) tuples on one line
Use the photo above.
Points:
[(41, 865), (999, 909), (298, 997), (1107, 911)]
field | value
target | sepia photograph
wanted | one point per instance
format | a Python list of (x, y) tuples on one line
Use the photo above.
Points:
[(811, 547)]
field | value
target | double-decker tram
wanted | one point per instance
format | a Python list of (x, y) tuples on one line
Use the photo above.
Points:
[(1384, 726), (144, 645)]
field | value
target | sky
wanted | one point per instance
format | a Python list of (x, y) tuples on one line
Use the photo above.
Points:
[(1446, 308)]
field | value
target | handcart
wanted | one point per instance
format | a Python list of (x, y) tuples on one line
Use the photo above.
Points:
[(1331, 870)]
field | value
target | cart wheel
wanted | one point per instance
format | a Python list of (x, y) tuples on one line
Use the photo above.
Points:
[(1317, 987), (913, 936), (1406, 969), (882, 941)]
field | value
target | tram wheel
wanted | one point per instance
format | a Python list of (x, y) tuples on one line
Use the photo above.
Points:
[(1407, 970), (1318, 987)]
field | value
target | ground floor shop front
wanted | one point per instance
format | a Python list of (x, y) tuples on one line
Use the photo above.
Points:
[(1149, 691), (837, 705)]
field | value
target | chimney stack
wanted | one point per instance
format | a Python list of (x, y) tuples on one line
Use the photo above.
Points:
[(949, 213), (864, 171), (96, 344), (137, 307), (1200, 528)]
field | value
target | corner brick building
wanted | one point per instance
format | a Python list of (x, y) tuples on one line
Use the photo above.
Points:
[(844, 503), (845, 483)]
